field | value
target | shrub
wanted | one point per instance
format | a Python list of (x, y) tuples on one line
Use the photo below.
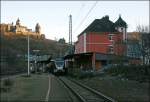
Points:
[(7, 85), (8, 82), (140, 73)]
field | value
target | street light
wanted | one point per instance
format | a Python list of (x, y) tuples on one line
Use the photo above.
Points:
[(28, 56)]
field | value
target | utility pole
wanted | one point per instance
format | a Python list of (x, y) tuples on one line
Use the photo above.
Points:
[(70, 29), (28, 56)]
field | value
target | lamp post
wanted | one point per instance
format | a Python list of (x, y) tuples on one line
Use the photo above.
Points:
[(36, 59), (28, 56)]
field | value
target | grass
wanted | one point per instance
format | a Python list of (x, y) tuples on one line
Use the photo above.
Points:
[(119, 89), (33, 88)]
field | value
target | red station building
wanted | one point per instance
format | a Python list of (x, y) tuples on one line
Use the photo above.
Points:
[(99, 43)]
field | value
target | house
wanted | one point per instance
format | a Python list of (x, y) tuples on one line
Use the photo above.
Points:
[(145, 47), (99, 43), (138, 47), (133, 45)]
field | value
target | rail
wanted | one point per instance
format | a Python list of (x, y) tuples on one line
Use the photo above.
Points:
[(85, 93)]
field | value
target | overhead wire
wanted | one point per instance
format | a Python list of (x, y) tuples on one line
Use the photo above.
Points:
[(90, 10), (79, 12), (83, 4)]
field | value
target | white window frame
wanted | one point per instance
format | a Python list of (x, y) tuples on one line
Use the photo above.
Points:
[(111, 49), (110, 37)]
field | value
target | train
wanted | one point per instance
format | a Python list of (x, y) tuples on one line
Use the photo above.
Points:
[(57, 66)]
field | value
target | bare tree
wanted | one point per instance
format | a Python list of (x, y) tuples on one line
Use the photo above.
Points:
[(144, 42), (143, 29)]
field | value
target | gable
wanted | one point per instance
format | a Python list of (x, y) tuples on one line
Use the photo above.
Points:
[(101, 25)]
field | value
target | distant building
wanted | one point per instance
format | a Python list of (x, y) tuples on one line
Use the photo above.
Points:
[(18, 29), (133, 45), (133, 36), (145, 47), (138, 46)]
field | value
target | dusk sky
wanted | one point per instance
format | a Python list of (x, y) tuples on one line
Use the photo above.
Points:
[(53, 16)]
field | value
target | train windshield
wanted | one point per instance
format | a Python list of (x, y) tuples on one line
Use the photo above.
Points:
[(59, 63)]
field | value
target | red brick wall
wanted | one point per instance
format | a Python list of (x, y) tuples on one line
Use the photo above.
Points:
[(79, 46), (99, 42)]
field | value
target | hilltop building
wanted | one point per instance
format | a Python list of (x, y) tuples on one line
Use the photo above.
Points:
[(18, 29)]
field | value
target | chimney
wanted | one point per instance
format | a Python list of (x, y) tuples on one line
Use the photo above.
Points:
[(107, 17)]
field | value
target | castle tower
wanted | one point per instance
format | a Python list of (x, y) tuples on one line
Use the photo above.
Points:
[(121, 26), (38, 28), (18, 22), (17, 26)]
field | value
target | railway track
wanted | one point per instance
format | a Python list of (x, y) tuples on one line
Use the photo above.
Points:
[(84, 93), (59, 92)]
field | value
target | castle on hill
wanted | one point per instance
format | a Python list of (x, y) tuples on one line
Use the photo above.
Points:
[(18, 29)]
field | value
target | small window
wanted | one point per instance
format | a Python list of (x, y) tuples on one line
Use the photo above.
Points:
[(110, 49), (110, 36)]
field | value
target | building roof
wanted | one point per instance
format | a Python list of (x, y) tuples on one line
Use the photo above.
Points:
[(78, 55), (120, 22), (42, 58), (101, 25), (133, 35)]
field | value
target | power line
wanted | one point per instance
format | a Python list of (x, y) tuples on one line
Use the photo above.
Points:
[(86, 15), (79, 12)]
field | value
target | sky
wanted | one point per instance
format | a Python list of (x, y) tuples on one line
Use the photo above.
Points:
[(53, 16)]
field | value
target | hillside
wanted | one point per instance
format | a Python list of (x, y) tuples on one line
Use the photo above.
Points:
[(14, 49)]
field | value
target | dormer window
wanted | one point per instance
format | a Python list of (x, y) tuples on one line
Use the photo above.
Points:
[(121, 29)]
